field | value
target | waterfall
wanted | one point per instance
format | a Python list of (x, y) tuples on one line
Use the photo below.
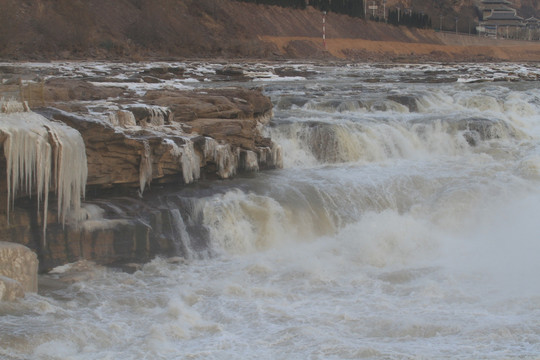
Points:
[(181, 239)]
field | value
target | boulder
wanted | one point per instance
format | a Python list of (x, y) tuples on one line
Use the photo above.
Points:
[(227, 103), (20, 264), (10, 289)]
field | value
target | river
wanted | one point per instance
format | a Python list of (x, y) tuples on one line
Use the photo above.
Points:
[(404, 225)]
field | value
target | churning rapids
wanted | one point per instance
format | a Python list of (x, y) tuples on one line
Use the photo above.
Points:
[(404, 225)]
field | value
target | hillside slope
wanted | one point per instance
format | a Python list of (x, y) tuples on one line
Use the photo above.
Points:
[(159, 29)]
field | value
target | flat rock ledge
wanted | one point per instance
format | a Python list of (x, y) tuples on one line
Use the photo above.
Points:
[(18, 271)]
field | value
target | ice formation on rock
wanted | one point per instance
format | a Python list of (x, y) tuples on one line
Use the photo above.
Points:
[(39, 151), (272, 156), (150, 116), (188, 158), (250, 161), (145, 168), (12, 106), (122, 118), (223, 156)]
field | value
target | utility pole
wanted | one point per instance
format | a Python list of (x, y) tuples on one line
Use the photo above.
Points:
[(456, 24), (365, 9), (440, 22), (324, 29)]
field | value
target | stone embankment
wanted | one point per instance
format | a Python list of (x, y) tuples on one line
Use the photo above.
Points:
[(138, 135)]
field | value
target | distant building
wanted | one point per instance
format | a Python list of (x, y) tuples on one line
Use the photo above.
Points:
[(499, 19), (532, 23), (489, 6)]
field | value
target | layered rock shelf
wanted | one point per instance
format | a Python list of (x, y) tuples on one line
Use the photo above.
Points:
[(138, 132)]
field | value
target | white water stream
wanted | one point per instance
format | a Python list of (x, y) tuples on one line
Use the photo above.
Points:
[(404, 225)]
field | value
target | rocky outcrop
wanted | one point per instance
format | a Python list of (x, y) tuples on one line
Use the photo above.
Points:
[(133, 140), (18, 271), (10, 289), (175, 136)]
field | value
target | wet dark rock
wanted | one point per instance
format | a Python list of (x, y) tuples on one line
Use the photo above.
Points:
[(164, 72), (292, 72), (150, 80), (286, 102), (408, 101), (234, 71)]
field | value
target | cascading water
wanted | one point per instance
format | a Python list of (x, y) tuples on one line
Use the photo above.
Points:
[(403, 225)]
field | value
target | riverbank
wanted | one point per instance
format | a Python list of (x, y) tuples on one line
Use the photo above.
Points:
[(452, 48), (129, 31)]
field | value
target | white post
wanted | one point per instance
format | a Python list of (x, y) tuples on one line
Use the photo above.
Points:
[(365, 9), (324, 29)]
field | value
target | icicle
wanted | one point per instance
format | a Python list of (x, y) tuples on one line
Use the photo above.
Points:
[(250, 161), (223, 156), (70, 169), (277, 155), (145, 168), (12, 106), (188, 159), (191, 164), (226, 160), (122, 118), (30, 139)]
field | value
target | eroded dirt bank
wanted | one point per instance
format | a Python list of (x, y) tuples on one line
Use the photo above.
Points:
[(130, 30), (453, 48)]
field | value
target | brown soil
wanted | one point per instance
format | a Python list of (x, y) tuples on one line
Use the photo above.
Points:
[(130, 30), (369, 50)]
